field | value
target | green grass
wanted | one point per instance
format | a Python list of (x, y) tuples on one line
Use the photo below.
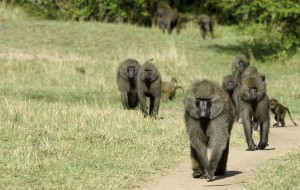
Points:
[(279, 173), (60, 129)]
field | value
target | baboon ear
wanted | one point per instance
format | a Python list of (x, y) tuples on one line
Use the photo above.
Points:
[(216, 106), (190, 106), (123, 72), (154, 76)]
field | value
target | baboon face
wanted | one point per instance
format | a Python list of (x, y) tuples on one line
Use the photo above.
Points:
[(131, 72), (273, 103), (253, 93), (149, 73), (229, 85), (244, 65), (204, 107)]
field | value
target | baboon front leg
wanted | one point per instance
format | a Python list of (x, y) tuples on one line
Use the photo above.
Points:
[(124, 98), (143, 105), (264, 134), (248, 133), (198, 172)]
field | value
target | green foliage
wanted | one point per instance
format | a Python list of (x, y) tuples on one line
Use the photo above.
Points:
[(277, 33)]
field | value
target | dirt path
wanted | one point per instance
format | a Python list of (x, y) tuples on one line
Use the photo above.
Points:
[(239, 166)]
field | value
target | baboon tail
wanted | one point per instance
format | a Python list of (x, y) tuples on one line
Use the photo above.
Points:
[(287, 109), (176, 87)]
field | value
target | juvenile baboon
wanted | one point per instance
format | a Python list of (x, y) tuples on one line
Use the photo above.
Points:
[(209, 116), (239, 61), (254, 110), (279, 110), (168, 90), (232, 87), (149, 85), (168, 18), (206, 25), (127, 83)]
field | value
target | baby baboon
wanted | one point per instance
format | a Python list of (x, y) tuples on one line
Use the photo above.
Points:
[(231, 86), (206, 25), (127, 83), (209, 116), (279, 110), (149, 85), (254, 109), (168, 90), (168, 18)]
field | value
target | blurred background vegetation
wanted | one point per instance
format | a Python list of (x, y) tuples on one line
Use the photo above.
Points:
[(273, 24)]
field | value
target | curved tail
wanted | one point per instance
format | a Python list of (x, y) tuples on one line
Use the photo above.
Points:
[(287, 109), (178, 86)]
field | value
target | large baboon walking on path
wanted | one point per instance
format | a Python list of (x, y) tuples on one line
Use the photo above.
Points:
[(209, 116)]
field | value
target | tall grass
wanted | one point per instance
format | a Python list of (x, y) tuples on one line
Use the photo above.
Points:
[(63, 129)]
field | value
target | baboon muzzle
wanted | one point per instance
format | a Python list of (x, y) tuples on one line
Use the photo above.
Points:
[(204, 107)]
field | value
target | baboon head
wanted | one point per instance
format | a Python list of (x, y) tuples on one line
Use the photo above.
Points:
[(229, 82), (273, 103), (129, 69), (251, 70), (243, 65), (202, 101), (149, 72), (253, 89)]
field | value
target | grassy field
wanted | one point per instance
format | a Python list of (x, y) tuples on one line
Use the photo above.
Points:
[(61, 129)]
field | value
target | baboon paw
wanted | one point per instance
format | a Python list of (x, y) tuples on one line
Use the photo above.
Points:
[(252, 148), (209, 175), (197, 175)]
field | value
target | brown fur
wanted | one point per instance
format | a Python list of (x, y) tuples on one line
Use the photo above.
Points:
[(168, 18), (168, 90), (209, 136), (279, 110), (127, 86), (254, 110), (149, 88), (206, 25)]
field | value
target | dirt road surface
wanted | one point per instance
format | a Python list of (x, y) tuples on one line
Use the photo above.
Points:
[(239, 166)]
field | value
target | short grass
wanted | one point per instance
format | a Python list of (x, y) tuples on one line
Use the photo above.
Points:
[(279, 173), (61, 129)]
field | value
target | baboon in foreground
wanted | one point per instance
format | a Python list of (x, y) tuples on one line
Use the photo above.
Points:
[(206, 25), (254, 110), (209, 116), (279, 110), (149, 85), (168, 18), (168, 90), (127, 83)]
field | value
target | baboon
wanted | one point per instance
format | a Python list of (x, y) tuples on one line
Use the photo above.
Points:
[(254, 110), (209, 116), (149, 85), (239, 64), (252, 70), (127, 83), (168, 90), (231, 86), (206, 25), (168, 18), (279, 110)]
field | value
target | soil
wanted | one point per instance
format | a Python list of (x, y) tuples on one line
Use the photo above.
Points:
[(239, 166)]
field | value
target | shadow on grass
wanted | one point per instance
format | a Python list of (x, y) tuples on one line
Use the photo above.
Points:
[(260, 50)]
